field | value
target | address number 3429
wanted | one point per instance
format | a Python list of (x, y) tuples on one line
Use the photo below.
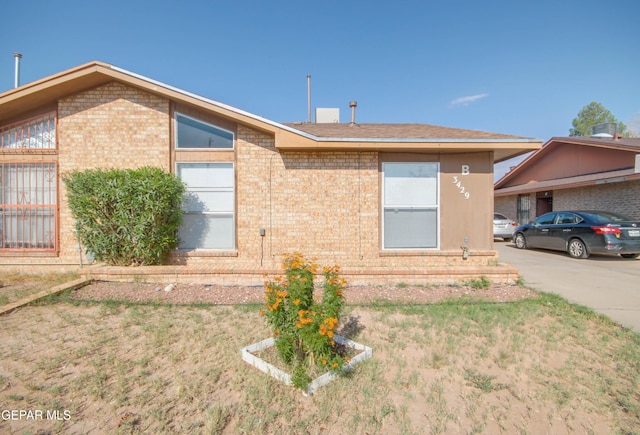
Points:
[(460, 187)]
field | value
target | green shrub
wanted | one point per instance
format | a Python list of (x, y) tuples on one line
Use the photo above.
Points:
[(126, 216), (479, 284)]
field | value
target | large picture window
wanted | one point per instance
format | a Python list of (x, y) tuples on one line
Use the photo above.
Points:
[(27, 206), (208, 219), (410, 205), (195, 134)]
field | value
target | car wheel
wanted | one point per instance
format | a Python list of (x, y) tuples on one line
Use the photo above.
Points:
[(577, 249), (520, 241), (630, 255)]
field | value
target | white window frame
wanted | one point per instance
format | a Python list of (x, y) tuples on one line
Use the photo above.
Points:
[(176, 134), (221, 213), (425, 206)]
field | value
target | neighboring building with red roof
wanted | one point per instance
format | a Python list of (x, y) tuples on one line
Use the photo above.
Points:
[(571, 173)]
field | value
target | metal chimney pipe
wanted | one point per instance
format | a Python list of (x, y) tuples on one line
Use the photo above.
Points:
[(16, 81), (353, 105), (309, 98)]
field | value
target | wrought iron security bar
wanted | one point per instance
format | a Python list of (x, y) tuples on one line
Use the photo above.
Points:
[(28, 212), (32, 134)]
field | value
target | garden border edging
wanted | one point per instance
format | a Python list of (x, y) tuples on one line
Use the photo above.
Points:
[(260, 364)]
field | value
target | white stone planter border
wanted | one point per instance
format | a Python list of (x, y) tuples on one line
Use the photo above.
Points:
[(249, 357)]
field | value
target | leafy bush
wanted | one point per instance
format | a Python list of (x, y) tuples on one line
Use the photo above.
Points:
[(126, 216), (304, 328)]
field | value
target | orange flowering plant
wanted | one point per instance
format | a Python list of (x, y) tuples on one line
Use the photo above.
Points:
[(304, 328)]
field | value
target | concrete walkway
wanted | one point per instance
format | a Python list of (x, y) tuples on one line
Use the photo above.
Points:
[(607, 285)]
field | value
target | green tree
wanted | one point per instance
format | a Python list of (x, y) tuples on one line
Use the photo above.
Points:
[(126, 216), (591, 115)]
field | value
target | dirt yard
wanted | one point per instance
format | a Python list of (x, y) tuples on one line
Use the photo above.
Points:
[(532, 366)]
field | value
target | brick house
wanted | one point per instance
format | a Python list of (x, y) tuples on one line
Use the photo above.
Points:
[(571, 173), (395, 202)]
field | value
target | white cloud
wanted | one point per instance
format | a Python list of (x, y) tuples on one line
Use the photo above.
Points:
[(465, 101)]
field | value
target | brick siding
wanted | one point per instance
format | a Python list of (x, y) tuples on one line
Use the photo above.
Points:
[(320, 203), (622, 198), (506, 205)]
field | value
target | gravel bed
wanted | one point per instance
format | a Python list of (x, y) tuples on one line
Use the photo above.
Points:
[(238, 294)]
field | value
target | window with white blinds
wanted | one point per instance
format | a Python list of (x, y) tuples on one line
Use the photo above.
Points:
[(410, 205), (208, 220)]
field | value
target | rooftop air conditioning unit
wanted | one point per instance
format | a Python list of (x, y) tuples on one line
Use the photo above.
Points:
[(327, 115), (604, 130)]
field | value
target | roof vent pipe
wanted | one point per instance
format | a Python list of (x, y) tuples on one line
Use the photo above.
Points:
[(353, 105), (16, 81), (309, 98)]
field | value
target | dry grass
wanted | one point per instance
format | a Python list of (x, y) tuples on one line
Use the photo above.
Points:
[(15, 286), (535, 366)]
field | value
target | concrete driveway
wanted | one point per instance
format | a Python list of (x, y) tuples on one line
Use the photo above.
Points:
[(608, 285)]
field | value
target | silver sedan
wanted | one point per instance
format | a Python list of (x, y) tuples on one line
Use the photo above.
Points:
[(503, 227)]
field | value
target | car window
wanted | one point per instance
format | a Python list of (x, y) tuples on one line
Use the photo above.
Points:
[(603, 217), (566, 218), (499, 217), (545, 219)]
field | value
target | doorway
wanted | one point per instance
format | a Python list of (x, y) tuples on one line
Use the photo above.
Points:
[(544, 202)]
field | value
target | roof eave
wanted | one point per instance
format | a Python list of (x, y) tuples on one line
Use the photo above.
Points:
[(15, 102), (24, 98), (52, 88), (569, 183), (504, 148)]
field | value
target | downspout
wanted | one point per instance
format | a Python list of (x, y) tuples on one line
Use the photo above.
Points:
[(79, 246)]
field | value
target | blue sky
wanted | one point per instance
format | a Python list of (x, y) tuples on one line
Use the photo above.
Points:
[(516, 67)]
